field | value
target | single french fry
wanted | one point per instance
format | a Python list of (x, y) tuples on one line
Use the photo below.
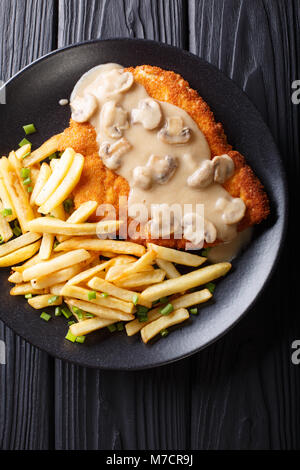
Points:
[(56, 226), (30, 262), (6, 201), (108, 254), (58, 174), (86, 275), (56, 289), (56, 277), (53, 163), (88, 326), (104, 286), (141, 279), (22, 151), (171, 271), (145, 261), (80, 215), (5, 229), (47, 149), (166, 321), (114, 271), (46, 246), (16, 164), (17, 193), (100, 311), (24, 289), (185, 282), (185, 301), (109, 302), (176, 256), (43, 301), (59, 212), (90, 244), (61, 262), (20, 255), (44, 175), (19, 242), (66, 187), (16, 278), (121, 259)]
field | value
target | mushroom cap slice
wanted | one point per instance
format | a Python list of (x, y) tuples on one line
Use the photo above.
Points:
[(113, 120), (203, 176), (173, 132), (142, 177), (162, 168), (83, 108), (234, 211), (223, 168), (148, 114)]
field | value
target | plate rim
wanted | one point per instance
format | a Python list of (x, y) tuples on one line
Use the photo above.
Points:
[(284, 215)]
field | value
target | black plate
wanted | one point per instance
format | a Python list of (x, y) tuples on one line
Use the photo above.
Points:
[(33, 95)]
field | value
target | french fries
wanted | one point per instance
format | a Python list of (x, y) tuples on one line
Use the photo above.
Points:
[(56, 277), (5, 229), (23, 151), (185, 301), (6, 201), (47, 149), (66, 186), (43, 301), (86, 275), (185, 282), (19, 242), (104, 286), (44, 175), (146, 260), (26, 288), (155, 327), (56, 226), (115, 246), (100, 310), (46, 246), (20, 255), (47, 267), (15, 278), (175, 256), (88, 326), (141, 279), (168, 267), (80, 215)]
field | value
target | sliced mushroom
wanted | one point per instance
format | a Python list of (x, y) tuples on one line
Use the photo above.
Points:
[(197, 229), (234, 211), (116, 81), (142, 177), (83, 108), (202, 177), (148, 113), (112, 153), (162, 168), (223, 168), (113, 120), (173, 132)]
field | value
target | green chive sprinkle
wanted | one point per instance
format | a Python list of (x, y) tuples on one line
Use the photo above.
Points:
[(53, 299), (205, 252), (167, 309), (25, 172), (66, 312), (55, 244), (54, 155), (28, 296), (71, 322), (88, 315), (58, 312), (45, 316), (164, 333), (211, 287), (91, 295), (24, 142), (104, 294), (1, 240), (29, 129), (143, 318), (26, 155), (70, 337), (120, 326), (80, 339), (29, 189), (164, 300), (112, 328), (194, 311), (68, 205), (27, 181), (6, 212), (135, 299), (141, 310)]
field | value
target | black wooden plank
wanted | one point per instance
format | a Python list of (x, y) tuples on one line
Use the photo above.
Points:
[(116, 410), (25, 381), (245, 390)]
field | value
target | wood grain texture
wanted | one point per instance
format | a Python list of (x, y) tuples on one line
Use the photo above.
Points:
[(26, 33)]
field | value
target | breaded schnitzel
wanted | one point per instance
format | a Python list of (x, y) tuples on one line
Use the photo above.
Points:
[(105, 186)]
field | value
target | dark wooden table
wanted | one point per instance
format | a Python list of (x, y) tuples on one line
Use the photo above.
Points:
[(243, 391)]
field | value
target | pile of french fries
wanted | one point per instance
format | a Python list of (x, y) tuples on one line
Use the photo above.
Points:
[(58, 258)]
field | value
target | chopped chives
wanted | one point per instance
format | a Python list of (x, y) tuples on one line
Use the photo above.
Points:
[(58, 312), (78, 312), (1, 239), (104, 294), (24, 142), (6, 212), (80, 339), (29, 189), (66, 312), (194, 311), (167, 309), (68, 205), (120, 326), (25, 172), (91, 295), (211, 287), (26, 155), (112, 328), (155, 302), (27, 181), (141, 310), (164, 332), (45, 316), (53, 299), (143, 318), (28, 296), (89, 315), (56, 243), (29, 129), (135, 299), (164, 300), (70, 337), (71, 322), (54, 155), (17, 231), (205, 252)]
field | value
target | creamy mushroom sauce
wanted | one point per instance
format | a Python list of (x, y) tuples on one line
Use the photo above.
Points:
[(156, 146)]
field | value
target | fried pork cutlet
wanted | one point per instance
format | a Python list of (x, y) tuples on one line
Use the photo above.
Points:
[(105, 186)]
